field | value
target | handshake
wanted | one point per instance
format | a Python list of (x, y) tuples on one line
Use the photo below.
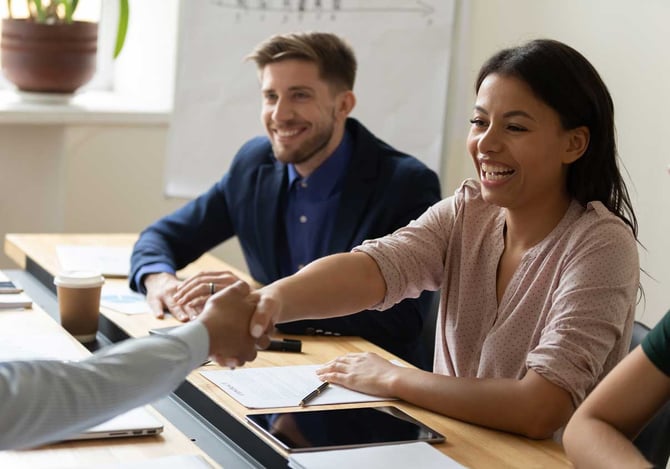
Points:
[(240, 319), (228, 314), (223, 303)]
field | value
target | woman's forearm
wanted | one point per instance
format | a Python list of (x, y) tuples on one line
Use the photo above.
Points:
[(590, 442), (600, 432), (531, 406), (335, 285)]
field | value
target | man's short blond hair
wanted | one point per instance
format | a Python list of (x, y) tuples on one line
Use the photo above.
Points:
[(332, 55)]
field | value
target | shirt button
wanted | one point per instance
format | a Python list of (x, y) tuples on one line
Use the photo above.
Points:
[(303, 184), (303, 219)]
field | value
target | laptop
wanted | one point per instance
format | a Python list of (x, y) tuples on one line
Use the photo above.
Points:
[(137, 422)]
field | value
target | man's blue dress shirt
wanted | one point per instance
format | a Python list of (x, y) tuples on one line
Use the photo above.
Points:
[(311, 208)]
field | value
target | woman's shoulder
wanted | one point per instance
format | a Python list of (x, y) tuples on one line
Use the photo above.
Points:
[(595, 226), (598, 217)]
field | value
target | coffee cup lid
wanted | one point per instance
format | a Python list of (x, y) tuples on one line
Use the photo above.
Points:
[(79, 279)]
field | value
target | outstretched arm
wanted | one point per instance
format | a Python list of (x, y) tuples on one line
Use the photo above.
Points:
[(332, 286), (42, 401), (600, 432)]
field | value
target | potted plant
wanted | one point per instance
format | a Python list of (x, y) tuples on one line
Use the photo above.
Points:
[(49, 51)]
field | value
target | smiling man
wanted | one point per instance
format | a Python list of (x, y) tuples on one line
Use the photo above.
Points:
[(319, 183)]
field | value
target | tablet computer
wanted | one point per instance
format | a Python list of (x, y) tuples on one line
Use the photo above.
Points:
[(317, 430)]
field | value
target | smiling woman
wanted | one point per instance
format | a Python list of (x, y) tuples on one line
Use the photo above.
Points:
[(537, 265), (521, 149)]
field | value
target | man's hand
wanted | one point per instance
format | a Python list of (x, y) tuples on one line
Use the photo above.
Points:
[(226, 316), (193, 292), (161, 288)]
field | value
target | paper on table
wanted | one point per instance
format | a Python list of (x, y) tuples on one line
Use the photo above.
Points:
[(111, 261), (281, 386), (8, 289), (122, 299), (36, 346), (375, 457), (15, 300)]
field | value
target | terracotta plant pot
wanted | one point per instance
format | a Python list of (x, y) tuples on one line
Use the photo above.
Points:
[(51, 58)]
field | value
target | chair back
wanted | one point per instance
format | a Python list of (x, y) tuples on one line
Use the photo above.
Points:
[(428, 332)]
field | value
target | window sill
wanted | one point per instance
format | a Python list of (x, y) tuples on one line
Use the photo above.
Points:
[(90, 107)]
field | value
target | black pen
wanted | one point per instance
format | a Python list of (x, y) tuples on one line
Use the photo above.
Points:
[(322, 387), (285, 345)]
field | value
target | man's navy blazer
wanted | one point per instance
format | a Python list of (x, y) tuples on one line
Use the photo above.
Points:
[(383, 190)]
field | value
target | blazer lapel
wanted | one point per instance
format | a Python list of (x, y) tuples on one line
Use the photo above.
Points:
[(358, 188), (353, 205), (269, 193)]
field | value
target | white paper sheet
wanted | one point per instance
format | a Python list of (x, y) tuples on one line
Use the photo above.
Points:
[(420, 455), (281, 386), (35, 345), (111, 261), (122, 299), (15, 301)]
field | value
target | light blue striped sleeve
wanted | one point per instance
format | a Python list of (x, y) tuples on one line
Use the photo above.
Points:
[(43, 401)]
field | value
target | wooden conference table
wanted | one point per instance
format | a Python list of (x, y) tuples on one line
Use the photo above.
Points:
[(471, 445)]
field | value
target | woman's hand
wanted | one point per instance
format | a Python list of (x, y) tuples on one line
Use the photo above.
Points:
[(364, 372)]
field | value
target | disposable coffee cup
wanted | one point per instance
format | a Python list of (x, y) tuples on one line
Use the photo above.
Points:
[(79, 302)]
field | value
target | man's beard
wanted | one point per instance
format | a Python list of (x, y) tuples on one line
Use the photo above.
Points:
[(307, 149)]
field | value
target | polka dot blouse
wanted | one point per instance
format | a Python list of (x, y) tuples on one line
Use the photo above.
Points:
[(567, 312)]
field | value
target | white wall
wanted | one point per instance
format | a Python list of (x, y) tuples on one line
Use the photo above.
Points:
[(97, 178), (84, 179)]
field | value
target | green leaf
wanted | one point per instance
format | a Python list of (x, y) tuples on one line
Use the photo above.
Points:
[(123, 27), (41, 15), (69, 10)]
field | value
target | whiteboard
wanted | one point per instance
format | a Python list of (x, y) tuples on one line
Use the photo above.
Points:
[(403, 51)]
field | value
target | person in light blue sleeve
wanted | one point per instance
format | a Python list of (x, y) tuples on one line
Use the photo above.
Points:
[(43, 401), (318, 183)]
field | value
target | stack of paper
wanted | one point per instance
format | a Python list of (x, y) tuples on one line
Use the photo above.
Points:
[(375, 457), (15, 300)]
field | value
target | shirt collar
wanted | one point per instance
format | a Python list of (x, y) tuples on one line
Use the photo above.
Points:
[(327, 176)]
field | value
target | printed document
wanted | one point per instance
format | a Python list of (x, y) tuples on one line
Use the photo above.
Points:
[(281, 386)]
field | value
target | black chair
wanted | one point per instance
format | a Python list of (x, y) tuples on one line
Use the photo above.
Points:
[(654, 439), (428, 332)]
